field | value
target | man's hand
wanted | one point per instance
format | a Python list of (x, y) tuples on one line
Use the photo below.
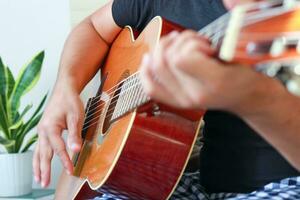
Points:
[(64, 111), (84, 51), (182, 73)]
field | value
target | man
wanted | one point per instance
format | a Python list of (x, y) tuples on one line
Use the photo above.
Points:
[(251, 135)]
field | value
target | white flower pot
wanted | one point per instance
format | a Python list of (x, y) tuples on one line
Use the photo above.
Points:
[(15, 174)]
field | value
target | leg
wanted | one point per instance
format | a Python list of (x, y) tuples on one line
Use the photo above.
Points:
[(286, 189)]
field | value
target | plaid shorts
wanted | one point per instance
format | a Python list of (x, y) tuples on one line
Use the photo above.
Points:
[(189, 188)]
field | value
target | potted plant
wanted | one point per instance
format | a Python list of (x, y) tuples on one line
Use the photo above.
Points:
[(15, 126)]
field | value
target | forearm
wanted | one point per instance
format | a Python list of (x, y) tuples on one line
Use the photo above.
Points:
[(86, 48), (83, 53), (277, 122)]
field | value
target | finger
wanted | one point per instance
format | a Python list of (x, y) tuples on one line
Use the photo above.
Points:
[(203, 44), (74, 123), (189, 68), (58, 145), (46, 155), (151, 87), (36, 164), (161, 70), (195, 90), (197, 44), (191, 60), (191, 85), (201, 67)]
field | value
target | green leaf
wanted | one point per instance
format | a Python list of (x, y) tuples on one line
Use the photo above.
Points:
[(3, 81), (2, 78), (3, 119), (27, 127), (26, 80), (16, 125), (19, 119), (30, 142), (26, 109), (34, 120), (6, 143), (10, 81), (40, 106)]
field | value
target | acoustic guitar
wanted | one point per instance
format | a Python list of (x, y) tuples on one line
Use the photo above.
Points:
[(135, 148)]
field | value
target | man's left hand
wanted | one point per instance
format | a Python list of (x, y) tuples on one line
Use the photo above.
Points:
[(182, 72)]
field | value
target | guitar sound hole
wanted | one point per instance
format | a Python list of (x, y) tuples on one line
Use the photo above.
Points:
[(109, 114)]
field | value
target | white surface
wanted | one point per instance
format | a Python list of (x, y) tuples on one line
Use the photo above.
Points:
[(82, 8), (27, 27), (15, 173)]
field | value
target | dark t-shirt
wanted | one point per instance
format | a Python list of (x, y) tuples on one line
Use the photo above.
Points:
[(233, 158)]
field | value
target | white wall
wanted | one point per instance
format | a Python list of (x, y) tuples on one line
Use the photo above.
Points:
[(82, 8), (27, 27)]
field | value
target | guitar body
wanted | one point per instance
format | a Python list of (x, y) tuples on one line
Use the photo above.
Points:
[(143, 154)]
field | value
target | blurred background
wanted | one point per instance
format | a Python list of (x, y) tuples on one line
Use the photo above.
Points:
[(30, 26)]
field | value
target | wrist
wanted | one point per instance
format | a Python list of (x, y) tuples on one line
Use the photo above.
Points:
[(67, 84)]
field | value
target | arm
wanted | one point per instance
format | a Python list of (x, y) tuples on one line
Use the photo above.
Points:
[(182, 73), (83, 53), (86, 47), (278, 123)]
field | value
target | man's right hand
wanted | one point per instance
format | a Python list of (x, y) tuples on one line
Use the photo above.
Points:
[(64, 112), (85, 49)]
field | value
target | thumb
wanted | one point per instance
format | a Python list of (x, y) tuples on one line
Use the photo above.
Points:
[(74, 124)]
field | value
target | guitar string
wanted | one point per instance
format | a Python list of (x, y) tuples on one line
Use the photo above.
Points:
[(109, 111), (113, 97), (126, 84), (110, 99), (109, 91), (216, 34)]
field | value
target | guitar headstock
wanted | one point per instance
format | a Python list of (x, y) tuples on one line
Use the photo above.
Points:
[(266, 35)]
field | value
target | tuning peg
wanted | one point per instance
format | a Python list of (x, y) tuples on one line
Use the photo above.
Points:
[(278, 47), (288, 4), (293, 86)]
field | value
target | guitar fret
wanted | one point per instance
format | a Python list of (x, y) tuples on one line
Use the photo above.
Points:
[(125, 96), (121, 99), (216, 29), (139, 92), (132, 97), (117, 108), (134, 89)]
